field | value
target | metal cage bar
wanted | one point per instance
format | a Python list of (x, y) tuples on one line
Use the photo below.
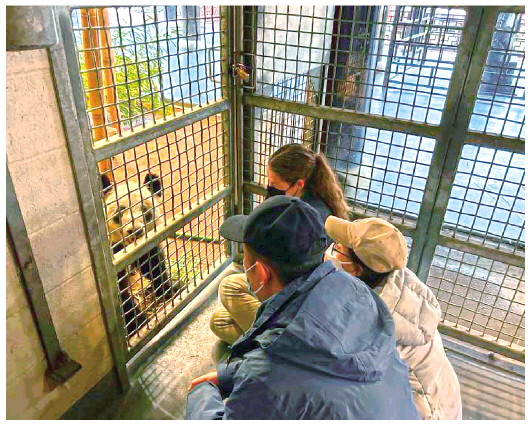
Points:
[(140, 48), (481, 296), (67, 84), (414, 107), (152, 92), (399, 90)]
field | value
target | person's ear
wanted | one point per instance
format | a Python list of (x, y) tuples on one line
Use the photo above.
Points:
[(300, 184), (263, 272), (357, 269), (299, 187)]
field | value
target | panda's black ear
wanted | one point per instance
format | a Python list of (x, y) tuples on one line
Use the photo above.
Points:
[(154, 183), (105, 183)]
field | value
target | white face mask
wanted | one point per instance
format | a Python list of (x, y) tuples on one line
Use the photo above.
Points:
[(249, 288), (330, 255)]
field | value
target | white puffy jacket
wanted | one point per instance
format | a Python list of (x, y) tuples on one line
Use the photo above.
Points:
[(416, 314)]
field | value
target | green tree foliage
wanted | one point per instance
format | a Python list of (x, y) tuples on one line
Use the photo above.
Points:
[(139, 59)]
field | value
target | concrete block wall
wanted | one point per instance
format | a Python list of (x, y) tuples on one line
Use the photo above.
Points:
[(37, 158)]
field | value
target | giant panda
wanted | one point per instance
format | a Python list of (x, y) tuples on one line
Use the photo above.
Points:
[(131, 211)]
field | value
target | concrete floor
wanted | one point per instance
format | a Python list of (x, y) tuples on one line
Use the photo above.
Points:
[(489, 393), (158, 390)]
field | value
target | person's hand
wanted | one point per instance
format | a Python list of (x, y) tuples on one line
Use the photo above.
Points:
[(211, 376)]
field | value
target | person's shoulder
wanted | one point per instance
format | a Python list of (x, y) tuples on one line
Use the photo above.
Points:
[(312, 199), (398, 281), (255, 365), (412, 281), (404, 278), (318, 203), (347, 283)]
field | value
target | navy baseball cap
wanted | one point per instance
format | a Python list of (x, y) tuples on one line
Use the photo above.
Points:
[(285, 230)]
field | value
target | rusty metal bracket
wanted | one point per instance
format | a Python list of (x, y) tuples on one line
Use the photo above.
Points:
[(64, 367)]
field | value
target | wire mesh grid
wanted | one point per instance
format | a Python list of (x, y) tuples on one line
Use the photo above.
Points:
[(383, 173), (500, 105), (161, 180), (396, 62), (480, 295), (487, 199), (143, 65), (253, 200), (151, 186), (384, 60), (161, 279), (272, 130)]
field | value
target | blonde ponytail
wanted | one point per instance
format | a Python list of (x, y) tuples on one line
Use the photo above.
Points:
[(324, 184)]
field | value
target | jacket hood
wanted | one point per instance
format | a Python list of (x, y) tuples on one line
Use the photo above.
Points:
[(414, 307), (342, 328)]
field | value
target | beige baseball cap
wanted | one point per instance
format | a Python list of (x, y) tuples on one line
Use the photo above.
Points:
[(378, 243)]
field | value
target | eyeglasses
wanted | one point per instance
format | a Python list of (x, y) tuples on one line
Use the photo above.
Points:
[(334, 248)]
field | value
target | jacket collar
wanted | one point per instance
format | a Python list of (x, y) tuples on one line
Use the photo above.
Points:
[(269, 307)]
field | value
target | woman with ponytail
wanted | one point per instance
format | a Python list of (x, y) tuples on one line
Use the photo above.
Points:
[(298, 172)]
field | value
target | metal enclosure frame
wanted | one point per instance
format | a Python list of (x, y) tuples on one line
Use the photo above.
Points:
[(239, 100), (451, 135), (85, 157)]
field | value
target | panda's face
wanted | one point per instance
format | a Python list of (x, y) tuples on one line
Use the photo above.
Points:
[(131, 210)]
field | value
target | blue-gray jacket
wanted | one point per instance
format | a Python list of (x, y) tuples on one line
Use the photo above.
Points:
[(322, 348)]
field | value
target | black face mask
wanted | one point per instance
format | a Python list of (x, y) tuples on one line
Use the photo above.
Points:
[(272, 191)]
